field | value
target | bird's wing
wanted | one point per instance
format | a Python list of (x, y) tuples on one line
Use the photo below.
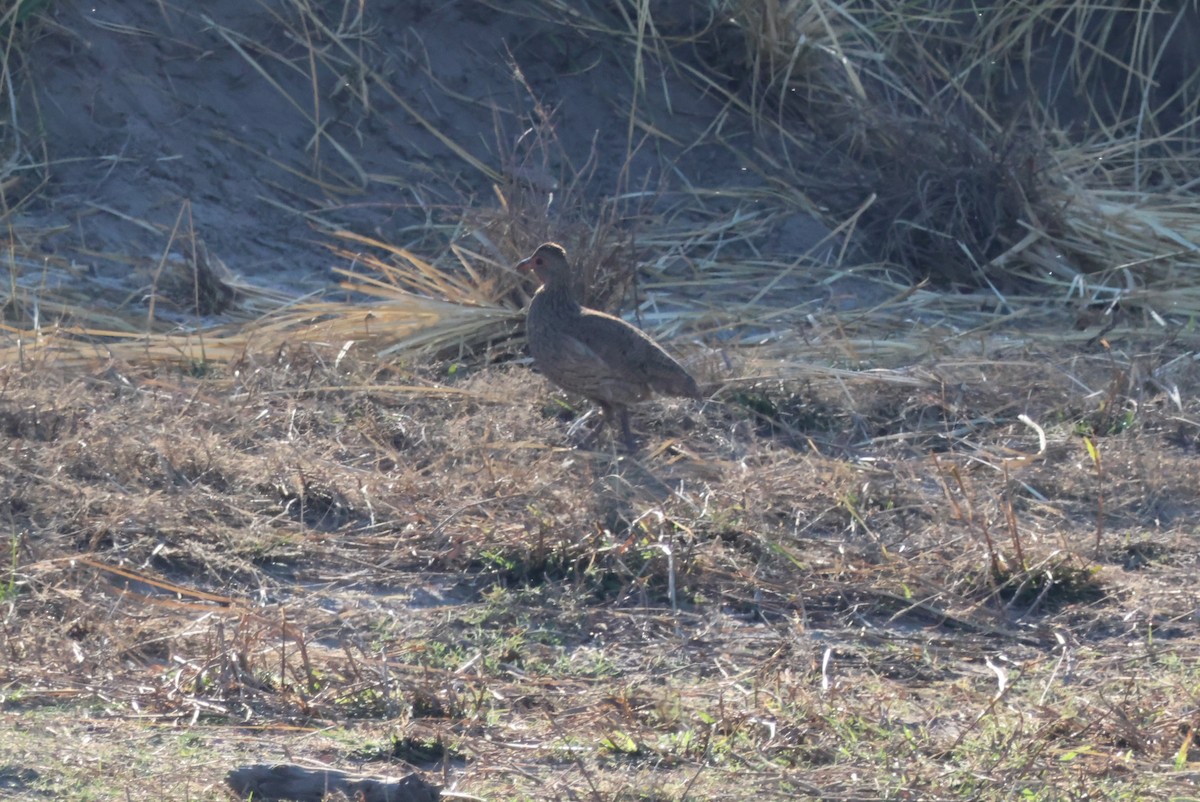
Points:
[(586, 353), (575, 365), (620, 345), (638, 358)]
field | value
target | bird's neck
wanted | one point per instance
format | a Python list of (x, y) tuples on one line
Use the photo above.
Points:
[(558, 296)]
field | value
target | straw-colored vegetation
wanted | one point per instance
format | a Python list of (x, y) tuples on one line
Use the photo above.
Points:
[(940, 545)]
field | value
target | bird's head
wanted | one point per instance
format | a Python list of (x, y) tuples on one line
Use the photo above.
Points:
[(549, 262)]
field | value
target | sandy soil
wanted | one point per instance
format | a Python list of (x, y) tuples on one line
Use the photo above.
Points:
[(146, 108)]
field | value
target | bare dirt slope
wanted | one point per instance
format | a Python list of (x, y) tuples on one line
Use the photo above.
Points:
[(145, 107)]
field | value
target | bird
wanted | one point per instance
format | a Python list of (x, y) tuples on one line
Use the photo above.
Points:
[(594, 354)]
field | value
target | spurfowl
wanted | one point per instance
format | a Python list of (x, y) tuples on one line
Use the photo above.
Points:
[(591, 353)]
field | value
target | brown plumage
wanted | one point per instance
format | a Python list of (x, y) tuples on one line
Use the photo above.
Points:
[(596, 355)]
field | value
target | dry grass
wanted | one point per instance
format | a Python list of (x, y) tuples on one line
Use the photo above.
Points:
[(936, 548), (783, 592), (950, 122)]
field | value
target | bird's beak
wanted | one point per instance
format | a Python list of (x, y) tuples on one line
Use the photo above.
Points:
[(525, 265)]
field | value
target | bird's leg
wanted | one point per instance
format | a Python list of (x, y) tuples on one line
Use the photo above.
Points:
[(616, 416), (626, 432)]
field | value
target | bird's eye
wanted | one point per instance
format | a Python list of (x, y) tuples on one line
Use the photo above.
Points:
[(538, 261)]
